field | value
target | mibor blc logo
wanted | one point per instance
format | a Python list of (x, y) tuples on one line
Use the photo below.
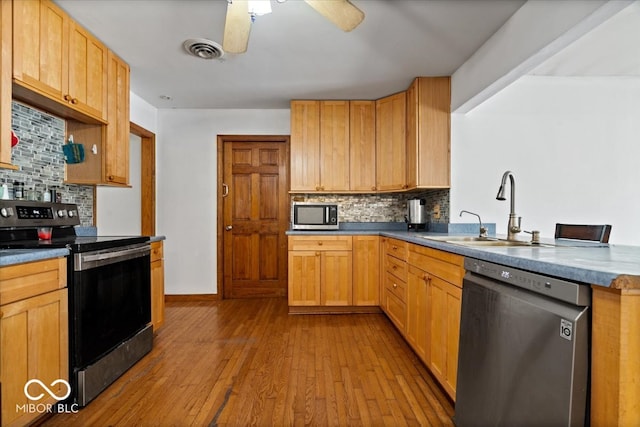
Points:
[(31, 389)]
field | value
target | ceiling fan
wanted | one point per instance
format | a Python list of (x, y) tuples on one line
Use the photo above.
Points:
[(240, 14)]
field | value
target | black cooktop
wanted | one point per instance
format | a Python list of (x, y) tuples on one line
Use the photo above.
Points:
[(75, 244)]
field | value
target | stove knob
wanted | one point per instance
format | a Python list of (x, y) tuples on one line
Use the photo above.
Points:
[(62, 213), (6, 212), (72, 214)]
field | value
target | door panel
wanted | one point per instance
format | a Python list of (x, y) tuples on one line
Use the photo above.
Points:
[(256, 217)]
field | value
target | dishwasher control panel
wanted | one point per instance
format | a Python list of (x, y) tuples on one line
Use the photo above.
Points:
[(564, 290)]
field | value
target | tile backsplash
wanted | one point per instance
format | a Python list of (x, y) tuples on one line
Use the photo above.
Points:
[(387, 207), (39, 158)]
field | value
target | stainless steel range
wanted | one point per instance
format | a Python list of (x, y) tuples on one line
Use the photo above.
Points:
[(109, 291)]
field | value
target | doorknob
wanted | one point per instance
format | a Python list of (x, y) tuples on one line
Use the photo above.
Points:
[(228, 227)]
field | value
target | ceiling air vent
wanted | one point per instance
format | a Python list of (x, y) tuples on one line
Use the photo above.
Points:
[(203, 48)]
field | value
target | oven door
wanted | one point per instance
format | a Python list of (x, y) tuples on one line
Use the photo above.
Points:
[(109, 300)]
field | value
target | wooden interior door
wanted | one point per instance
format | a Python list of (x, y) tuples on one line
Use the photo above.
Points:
[(255, 204)]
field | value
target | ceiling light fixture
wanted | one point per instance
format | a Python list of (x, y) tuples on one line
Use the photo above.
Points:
[(258, 8)]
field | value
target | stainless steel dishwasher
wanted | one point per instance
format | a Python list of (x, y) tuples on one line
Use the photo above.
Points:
[(524, 349)]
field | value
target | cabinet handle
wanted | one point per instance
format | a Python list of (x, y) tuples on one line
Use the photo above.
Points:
[(67, 97), (319, 243), (74, 101)]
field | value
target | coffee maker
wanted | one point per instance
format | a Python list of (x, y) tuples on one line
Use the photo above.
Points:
[(416, 214)]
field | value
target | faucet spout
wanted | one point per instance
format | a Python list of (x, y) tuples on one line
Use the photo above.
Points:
[(515, 222)]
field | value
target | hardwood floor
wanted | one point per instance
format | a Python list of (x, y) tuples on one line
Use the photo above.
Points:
[(247, 362)]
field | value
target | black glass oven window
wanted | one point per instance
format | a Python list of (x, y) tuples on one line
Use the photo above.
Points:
[(110, 304)]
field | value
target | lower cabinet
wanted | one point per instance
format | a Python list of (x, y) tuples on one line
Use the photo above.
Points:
[(157, 284), (434, 302), (394, 287), (334, 271), (33, 336)]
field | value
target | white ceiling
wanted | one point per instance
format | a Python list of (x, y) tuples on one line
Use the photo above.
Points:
[(293, 53)]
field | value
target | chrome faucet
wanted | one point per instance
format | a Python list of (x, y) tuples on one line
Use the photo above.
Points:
[(483, 230), (514, 221)]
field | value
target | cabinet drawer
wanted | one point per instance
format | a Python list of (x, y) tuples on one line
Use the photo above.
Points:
[(26, 280), (396, 287), (396, 267), (445, 265), (396, 248), (320, 243), (157, 251), (396, 310)]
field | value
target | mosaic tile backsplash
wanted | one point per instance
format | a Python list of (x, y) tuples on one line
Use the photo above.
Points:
[(40, 160), (389, 207)]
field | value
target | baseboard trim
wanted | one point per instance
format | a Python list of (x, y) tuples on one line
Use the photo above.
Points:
[(334, 310), (191, 298)]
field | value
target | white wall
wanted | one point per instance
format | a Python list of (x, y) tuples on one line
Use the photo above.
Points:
[(119, 209), (186, 181), (572, 144)]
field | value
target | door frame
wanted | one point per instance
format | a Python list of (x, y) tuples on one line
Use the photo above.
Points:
[(221, 140), (147, 179)]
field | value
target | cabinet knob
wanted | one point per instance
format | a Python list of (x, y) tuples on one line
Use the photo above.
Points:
[(395, 267), (395, 286), (111, 177), (319, 243), (317, 188), (373, 188), (74, 101), (67, 97), (317, 253)]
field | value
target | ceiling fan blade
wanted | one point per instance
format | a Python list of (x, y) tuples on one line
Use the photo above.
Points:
[(237, 27), (341, 12)]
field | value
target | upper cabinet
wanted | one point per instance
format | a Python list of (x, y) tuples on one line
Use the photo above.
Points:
[(305, 146), (5, 84), (116, 146), (391, 142), (362, 146), (57, 60), (428, 133), (334, 145)]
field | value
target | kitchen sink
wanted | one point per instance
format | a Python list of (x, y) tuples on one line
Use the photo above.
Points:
[(484, 241)]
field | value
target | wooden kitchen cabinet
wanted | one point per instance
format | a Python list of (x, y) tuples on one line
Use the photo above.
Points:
[(6, 46), (320, 271), (157, 284), (394, 289), (33, 334), (305, 146), (434, 302), (319, 146), (362, 146), (366, 270), (391, 174), (110, 164), (56, 59), (116, 146), (428, 133)]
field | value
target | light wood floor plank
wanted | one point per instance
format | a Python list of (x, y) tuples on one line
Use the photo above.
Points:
[(248, 362)]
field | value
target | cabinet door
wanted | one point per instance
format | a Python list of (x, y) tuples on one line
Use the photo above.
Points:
[(87, 71), (445, 301), (40, 47), (116, 147), (418, 312), (5, 82), (334, 145), (304, 278), (428, 133), (305, 146), (366, 270), (34, 345), (362, 146), (391, 142), (157, 294), (336, 286)]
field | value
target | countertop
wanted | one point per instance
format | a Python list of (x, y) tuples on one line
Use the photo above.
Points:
[(615, 266)]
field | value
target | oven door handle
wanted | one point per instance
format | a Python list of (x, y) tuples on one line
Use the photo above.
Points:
[(89, 260)]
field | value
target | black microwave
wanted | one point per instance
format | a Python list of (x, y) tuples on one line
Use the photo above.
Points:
[(314, 216)]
